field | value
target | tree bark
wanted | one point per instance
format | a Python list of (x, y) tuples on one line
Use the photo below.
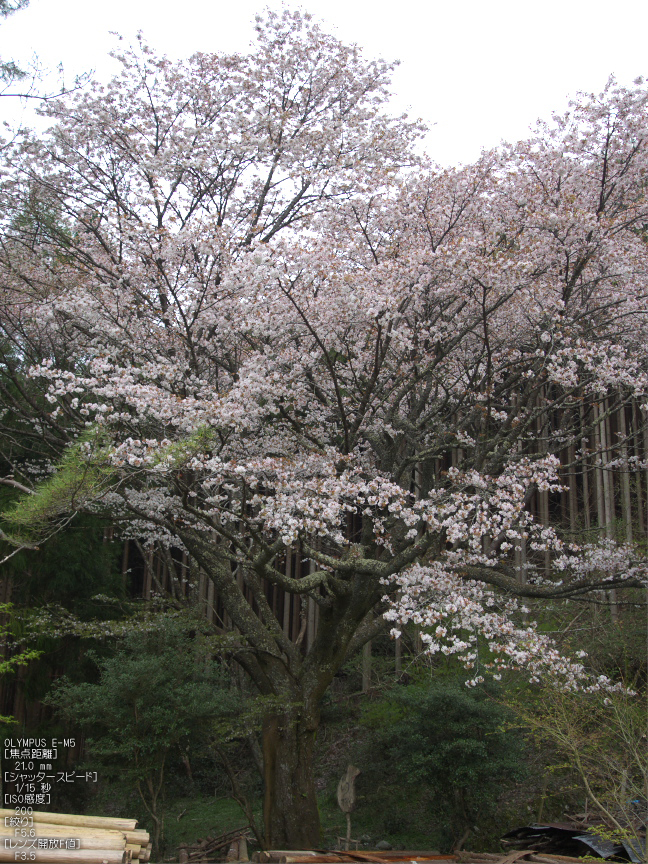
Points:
[(290, 813)]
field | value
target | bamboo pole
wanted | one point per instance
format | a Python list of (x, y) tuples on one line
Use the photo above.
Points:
[(66, 856), (138, 835), (53, 829), (108, 822), (85, 841)]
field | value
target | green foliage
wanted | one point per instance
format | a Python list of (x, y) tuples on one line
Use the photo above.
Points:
[(75, 565), (83, 474), (614, 648), (446, 743), (158, 690), (72, 568), (161, 691), (600, 742), (20, 657)]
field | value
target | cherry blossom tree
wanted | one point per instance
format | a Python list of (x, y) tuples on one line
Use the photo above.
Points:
[(255, 327)]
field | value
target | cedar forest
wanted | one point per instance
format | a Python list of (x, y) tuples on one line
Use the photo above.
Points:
[(342, 396)]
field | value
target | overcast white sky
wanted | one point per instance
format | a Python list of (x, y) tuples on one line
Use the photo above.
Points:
[(476, 71)]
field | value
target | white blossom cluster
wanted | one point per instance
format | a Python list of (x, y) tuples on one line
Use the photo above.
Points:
[(464, 618)]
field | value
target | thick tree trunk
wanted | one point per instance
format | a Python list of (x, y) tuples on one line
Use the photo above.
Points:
[(291, 817)]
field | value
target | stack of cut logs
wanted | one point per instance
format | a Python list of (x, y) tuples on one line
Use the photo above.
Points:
[(71, 839)]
